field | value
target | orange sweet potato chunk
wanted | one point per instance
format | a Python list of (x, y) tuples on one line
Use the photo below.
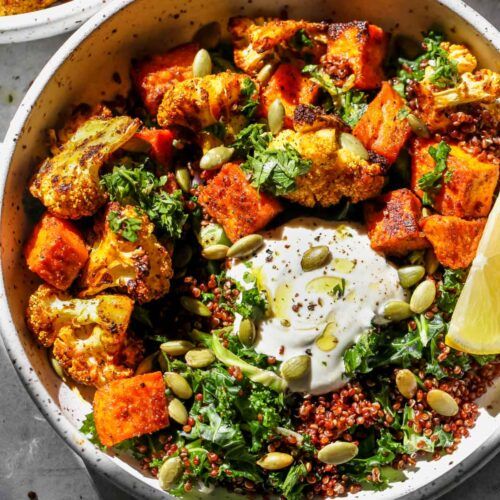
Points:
[(454, 240), (236, 204), (154, 75), (290, 86), (393, 223), (381, 127), (356, 48), (56, 251), (469, 192), (130, 407)]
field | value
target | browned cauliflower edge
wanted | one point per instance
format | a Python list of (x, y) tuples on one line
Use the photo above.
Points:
[(141, 268)]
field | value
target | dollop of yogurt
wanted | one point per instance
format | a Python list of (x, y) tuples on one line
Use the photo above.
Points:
[(320, 312)]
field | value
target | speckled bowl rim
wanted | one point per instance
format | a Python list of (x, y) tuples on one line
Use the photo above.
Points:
[(94, 458)]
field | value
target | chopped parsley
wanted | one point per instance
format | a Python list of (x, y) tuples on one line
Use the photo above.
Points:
[(218, 130), (431, 182), (339, 289), (301, 40), (254, 137), (253, 303), (137, 186), (250, 95), (126, 227)]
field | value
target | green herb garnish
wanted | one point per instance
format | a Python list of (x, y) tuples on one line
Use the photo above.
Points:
[(250, 101), (126, 227)]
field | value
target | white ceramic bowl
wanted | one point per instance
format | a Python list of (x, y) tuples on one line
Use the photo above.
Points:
[(82, 71), (44, 23)]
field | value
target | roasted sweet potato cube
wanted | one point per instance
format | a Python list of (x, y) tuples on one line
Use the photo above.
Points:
[(393, 223), (154, 75), (382, 129), (161, 142), (236, 204), (356, 48), (290, 86), (454, 240), (130, 407), (468, 193), (56, 251)]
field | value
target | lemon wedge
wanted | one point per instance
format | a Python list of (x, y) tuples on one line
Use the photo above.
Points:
[(475, 324)]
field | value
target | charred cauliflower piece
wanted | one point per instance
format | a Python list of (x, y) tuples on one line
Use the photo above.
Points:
[(68, 183), (335, 172), (262, 40), (130, 259), (197, 103), (88, 336)]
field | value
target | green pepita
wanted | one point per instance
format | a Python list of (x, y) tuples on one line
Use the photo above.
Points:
[(315, 257), (245, 246), (423, 296), (246, 332), (442, 403), (57, 368), (215, 252), (406, 383), (170, 472), (410, 275), (178, 385), (396, 310), (202, 63), (176, 347), (213, 234), (337, 453), (146, 365), (296, 367), (431, 262), (418, 126), (276, 116), (265, 73), (195, 306), (275, 461), (177, 411), (183, 178), (208, 36), (200, 358), (216, 157), (354, 145), (182, 255)]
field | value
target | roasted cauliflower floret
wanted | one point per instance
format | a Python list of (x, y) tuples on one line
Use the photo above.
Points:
[(88, 336), (457, 54), (262, 40), (127, 256), (197, 103), (68, 183), (335, 172)]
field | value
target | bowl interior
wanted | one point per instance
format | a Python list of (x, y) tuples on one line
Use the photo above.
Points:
[(85, 70)]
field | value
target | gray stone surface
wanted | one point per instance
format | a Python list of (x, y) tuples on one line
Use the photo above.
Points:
[(32, 456)]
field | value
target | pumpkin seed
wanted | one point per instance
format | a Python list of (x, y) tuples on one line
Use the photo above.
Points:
[(178, 384), (176, 347), (57, 368), (182, 255), (195, 306), (202, 63), (396, 310), (163, 362), (265, 73), (410, 275), (296, 367), (177, 411), (426, 212), (423, 296), (315, 257), (215, 252), (245, 246), (406, 383), (183, 178), (275, 461), (418, 126), (431, 262), (276, 116), (354, 145), (216, 157), (213, 234), (170, 472), (442, 403), (200, 358), (208, 36), (146, 365), (246, 332), (337, 453)]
